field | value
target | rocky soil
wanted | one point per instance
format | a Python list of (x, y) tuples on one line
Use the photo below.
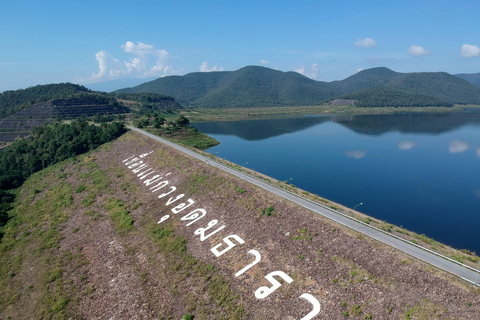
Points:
[(129, 274)]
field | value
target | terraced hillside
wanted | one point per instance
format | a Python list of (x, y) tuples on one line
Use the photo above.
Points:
[(138, 230), (21, 123)]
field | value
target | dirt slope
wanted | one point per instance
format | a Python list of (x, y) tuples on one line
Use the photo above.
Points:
[(107, 257)]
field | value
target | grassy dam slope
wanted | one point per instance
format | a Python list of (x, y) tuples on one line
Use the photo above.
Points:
[(138, 230)]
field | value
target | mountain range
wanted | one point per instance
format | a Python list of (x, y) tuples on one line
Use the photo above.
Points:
[(255, 86)]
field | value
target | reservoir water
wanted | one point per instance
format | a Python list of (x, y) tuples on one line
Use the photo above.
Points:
[(420, 171)]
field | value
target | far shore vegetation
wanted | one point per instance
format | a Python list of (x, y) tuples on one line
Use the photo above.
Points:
[(232, 114)]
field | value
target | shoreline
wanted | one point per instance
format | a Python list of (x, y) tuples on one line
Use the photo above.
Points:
[(463, 256), (233, 114)]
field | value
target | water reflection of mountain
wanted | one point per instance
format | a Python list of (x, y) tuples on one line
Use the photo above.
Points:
[(252, 130), (421, 123)]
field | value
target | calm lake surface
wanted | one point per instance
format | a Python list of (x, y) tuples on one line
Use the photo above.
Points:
[(420, 171)]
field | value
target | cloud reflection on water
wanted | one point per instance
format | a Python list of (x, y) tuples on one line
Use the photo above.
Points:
[(458, 146), (406, 145), (357, 154)]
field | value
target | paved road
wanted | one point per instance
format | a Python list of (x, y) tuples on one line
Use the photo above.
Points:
[(465, 272)]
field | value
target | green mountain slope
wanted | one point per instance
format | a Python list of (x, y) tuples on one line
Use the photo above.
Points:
[(15, 100), (366, 79), (440, 85), (259, 86), (255, 86), (386, 96), (246, 87), (435, 89)]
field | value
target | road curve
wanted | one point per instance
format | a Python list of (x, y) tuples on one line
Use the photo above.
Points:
[(465, 272)]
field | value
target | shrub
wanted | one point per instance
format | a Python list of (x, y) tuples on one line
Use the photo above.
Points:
[(188, 316), (268, 211), (357, 309)]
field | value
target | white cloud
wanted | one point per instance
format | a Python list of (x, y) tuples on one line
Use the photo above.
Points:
[(470, 51), (367, 42), (101, 57), (204, 67), (360, 69), (458, 146), (314, 71), (311, 73), (417, 51), (358, 154), (263, 61), (406, 145), (301, 70), (137, 67)]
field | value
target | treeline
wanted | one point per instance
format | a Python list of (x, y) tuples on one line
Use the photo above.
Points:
[(383, 96), (49, 144), (157, 120), (14, 100), (142, 97)]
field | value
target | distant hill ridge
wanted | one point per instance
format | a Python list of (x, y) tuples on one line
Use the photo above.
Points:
[(14, 100), (255, 86), (246, 87), (470, 77)]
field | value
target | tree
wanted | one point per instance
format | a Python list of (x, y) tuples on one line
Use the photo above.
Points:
[(143, 122), (158, 121), (182, 121)]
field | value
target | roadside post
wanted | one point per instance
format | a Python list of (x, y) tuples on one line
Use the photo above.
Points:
[(353, 221), (478, 268)]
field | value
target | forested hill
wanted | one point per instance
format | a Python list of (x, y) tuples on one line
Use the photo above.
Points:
[(440, 85), (67, 100), (15, 100), (21, 111), (473, 78), (247, 87), (434, 89), (255, 86), (366, 79), (385, 96)]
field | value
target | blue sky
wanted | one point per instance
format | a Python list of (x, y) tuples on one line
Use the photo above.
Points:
[(86, 41)]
